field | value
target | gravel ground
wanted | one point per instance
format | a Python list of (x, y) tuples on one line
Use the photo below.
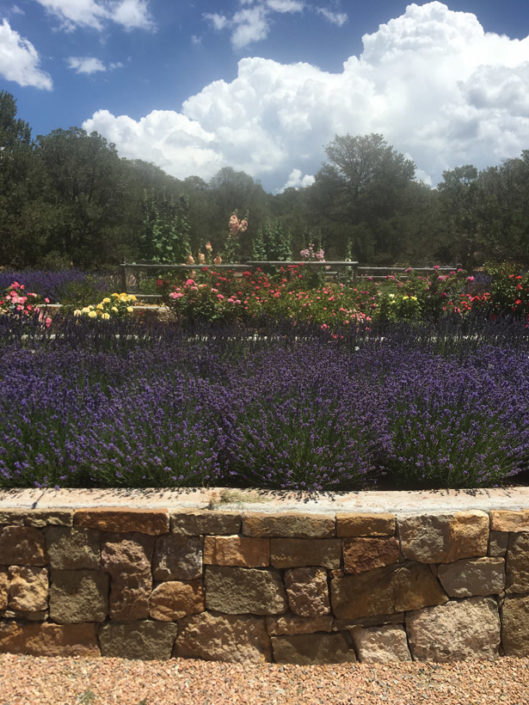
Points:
[(27, 680)]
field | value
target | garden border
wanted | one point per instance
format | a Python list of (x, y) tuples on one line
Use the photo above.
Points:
[(250, 575)]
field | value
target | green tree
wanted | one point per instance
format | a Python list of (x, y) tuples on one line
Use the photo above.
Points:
[(85, 189), (362, 186), (459, 200), (22, 217)]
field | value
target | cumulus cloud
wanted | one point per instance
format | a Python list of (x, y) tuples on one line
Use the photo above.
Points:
[(90, 64), (85, 64), (252, 23), (298, 180), (432, 81), (130, 14), (337, 18), (19, 60), (175, 143)]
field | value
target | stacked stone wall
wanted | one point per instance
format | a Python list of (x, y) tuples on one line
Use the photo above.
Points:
[(249, 586)]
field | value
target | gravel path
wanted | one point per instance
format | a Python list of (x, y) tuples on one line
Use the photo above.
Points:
[(27, 680)]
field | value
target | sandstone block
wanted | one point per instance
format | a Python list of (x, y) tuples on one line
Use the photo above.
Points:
[(40, 616), (508, 520), (49, 639), (127, 559), (288, 524), (28, 588), (444, 538), (72, 549), (365, 524), (141, 640), (244, 590), (517, 563), (456, 631), (15, 517), (363, 554), (177, 558), (78, 596), (307, 649), (383, 591), (384, 644), (3, 588), (22, 545), (118, 520), (293, 553), (378, 620), (293, 624), (498, 541), (215, 637), (237, 551), (40, 518), (174, 600), (515, 626), (196, 522), (474, 576), (307, 591)]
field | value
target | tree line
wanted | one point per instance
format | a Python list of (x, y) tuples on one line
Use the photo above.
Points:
[(68, 199)]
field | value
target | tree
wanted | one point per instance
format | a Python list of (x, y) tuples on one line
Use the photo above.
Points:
[(22, 221), (459, 198), (85, 188), (362, 186)]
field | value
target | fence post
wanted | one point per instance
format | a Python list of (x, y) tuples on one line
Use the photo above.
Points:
[(124, 278)]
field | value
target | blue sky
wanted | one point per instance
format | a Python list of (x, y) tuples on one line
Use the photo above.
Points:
[(263, 85)]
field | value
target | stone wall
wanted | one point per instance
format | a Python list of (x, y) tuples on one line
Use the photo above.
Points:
[(249, 586)]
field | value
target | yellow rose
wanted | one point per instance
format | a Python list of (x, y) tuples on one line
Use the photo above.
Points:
[(106, 300), (105, 316), (77, 312), (115, 295), (99, 307), (92, 314), (86, 309), (114, 309), (130, 309)]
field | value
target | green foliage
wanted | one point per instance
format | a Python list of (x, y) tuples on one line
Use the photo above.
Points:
[(273, 242), (69, 197), (166, 230)]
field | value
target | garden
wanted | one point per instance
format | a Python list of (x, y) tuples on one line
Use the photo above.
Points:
[(271, 378)]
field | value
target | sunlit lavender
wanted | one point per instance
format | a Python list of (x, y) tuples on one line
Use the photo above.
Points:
[(148, 405)]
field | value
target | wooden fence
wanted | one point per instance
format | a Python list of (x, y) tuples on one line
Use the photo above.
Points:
[(131, 273)]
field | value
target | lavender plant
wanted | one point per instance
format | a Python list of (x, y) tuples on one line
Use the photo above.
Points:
[(136, 405)]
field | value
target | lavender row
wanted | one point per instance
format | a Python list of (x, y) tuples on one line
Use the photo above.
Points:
[(131, 405), (64, 286)]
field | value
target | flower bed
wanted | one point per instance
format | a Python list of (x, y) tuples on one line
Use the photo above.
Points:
[(118, 403)]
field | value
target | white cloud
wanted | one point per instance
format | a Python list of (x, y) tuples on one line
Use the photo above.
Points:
[(285, 5), (432, 81), (250, 26), (86, 64), (337, 18), (177, 144), (252, 23), (297, 180), (130, 14), (19, 60), (91, 64)]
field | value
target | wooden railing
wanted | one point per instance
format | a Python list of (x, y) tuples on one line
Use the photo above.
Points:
[(333, 269)]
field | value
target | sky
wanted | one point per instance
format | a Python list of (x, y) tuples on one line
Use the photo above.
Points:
[(262, 86)]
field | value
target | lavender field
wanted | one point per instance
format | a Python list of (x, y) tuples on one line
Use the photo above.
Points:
[(152, 405)]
